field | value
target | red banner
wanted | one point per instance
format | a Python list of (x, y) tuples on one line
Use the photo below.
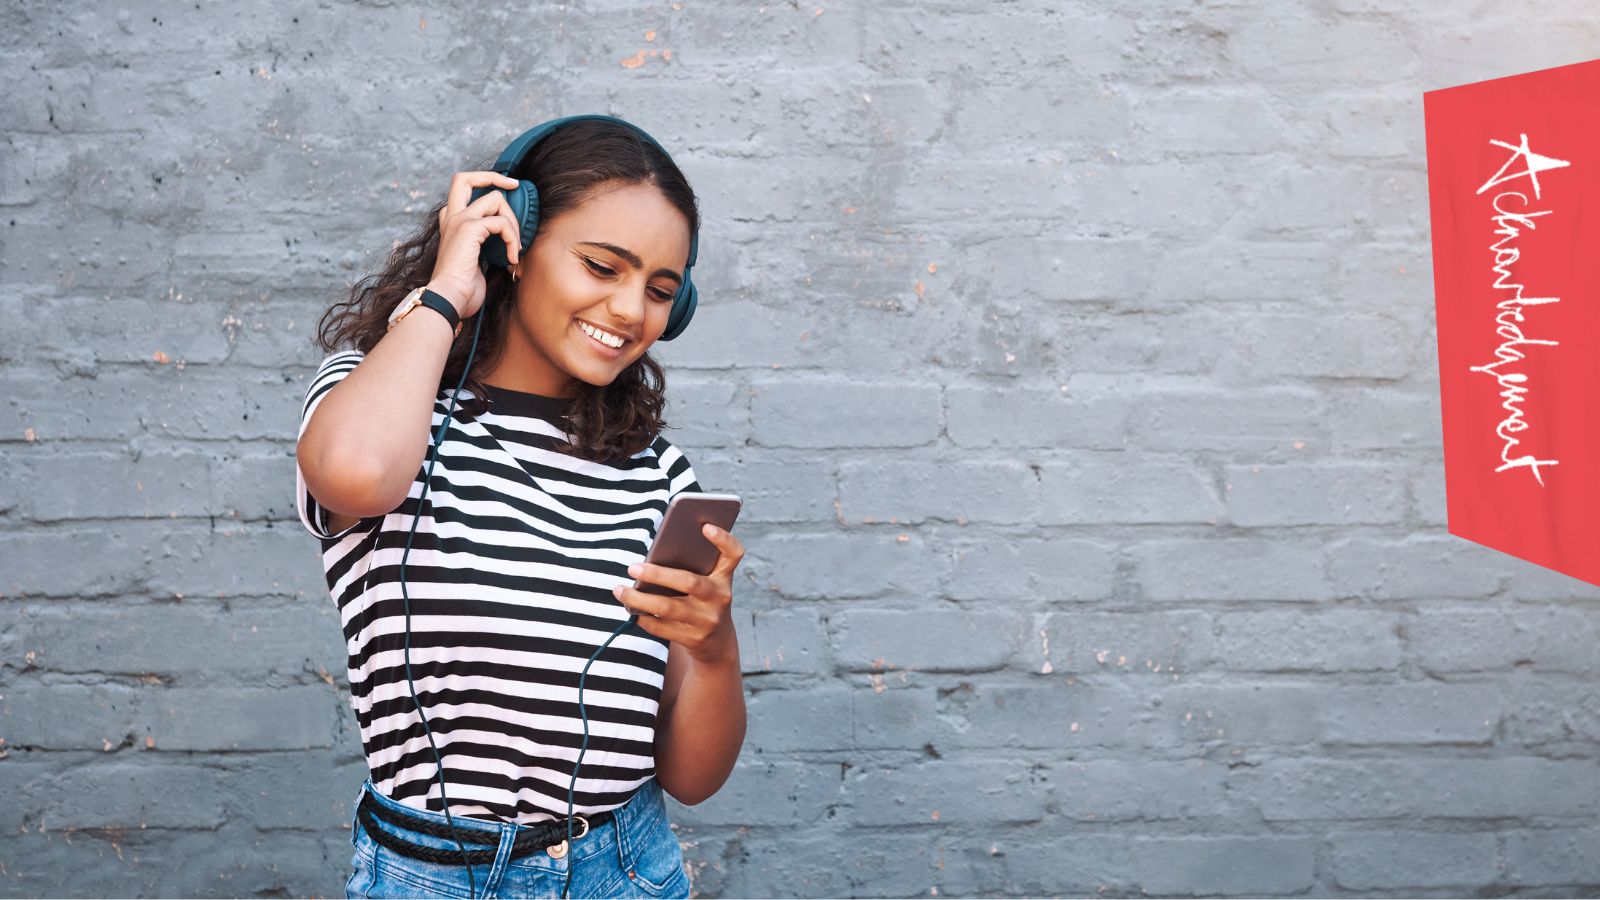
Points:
[(1514, 195)]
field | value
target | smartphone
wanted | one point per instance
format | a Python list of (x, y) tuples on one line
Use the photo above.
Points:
[(679, 542)]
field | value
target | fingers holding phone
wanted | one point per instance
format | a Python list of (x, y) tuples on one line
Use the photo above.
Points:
[(690, 606)]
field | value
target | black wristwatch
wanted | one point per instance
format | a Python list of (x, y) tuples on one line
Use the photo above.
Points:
[(422, 296)]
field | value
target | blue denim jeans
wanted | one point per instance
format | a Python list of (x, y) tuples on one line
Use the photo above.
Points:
[(635, 854)]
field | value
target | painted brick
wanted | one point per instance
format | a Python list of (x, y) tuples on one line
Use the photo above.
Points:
[(1109, 488), (832, 414), (925, 640), (986, 792), (1414, 859), (1057, 569), (993, 491), (1331, 640), (1314, 493), (1231, 569), (1135, 644)]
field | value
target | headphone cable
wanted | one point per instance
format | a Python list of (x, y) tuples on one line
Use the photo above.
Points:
[(416, 517), (571, 785), (405, 595)]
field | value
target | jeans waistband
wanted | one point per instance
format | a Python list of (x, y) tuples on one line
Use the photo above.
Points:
[(529, 838)]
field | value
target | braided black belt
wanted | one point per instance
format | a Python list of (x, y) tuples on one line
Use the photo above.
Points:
[(532, 839)]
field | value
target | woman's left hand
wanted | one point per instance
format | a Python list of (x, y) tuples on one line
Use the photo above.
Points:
[(701, 621)]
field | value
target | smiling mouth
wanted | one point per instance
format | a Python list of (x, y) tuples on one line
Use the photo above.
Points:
[(598, 344)]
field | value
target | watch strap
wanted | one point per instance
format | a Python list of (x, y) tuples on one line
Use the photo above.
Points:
[(443, 307)]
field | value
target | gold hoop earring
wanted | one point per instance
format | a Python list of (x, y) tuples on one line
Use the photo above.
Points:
[(513, 276)]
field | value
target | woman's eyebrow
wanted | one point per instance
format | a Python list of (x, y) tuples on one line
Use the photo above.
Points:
[(632, 258)]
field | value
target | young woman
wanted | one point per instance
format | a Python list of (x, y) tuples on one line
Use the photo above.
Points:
[(468, 636)]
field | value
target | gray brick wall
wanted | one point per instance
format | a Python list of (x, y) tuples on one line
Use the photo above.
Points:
[(1075, 362)]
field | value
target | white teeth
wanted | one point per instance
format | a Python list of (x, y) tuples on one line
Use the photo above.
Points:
[(604, 337)]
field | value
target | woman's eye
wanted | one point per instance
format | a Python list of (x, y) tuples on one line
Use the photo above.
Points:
[(604, 272)]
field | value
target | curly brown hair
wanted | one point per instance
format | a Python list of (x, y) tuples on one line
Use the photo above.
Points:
[(607, 423)]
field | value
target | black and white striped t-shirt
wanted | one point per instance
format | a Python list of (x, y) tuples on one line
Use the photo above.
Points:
[(509, 577)]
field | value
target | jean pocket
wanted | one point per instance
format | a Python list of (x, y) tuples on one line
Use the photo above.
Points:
[(364, 872), (675, 885), (356, 884), (657, 863)]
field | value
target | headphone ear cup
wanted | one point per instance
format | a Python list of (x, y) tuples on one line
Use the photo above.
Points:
[(524, 202), (682, 309)]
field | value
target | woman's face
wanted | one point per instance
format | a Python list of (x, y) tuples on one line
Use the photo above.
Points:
[(612, 263)]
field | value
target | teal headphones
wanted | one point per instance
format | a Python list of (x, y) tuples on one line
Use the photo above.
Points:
[(524, 201)]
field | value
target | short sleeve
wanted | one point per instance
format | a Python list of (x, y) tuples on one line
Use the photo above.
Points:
[(329, 373), (679, 473)]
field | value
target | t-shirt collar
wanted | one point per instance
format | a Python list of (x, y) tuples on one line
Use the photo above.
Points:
[(521, 403)]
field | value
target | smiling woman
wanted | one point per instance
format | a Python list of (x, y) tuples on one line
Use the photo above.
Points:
[(548, 481), (587, 309)]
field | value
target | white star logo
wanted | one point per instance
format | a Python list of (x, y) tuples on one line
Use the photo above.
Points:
[(1536, 164)]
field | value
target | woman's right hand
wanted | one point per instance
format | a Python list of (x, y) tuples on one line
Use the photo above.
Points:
[(463, 228)]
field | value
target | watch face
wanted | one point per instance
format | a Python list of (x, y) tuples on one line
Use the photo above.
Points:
[(405, 306), (411, 300)]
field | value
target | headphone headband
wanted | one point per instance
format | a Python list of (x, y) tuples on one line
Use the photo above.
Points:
[(512, 156)]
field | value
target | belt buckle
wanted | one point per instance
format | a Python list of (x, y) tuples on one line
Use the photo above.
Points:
[(557, 851)]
